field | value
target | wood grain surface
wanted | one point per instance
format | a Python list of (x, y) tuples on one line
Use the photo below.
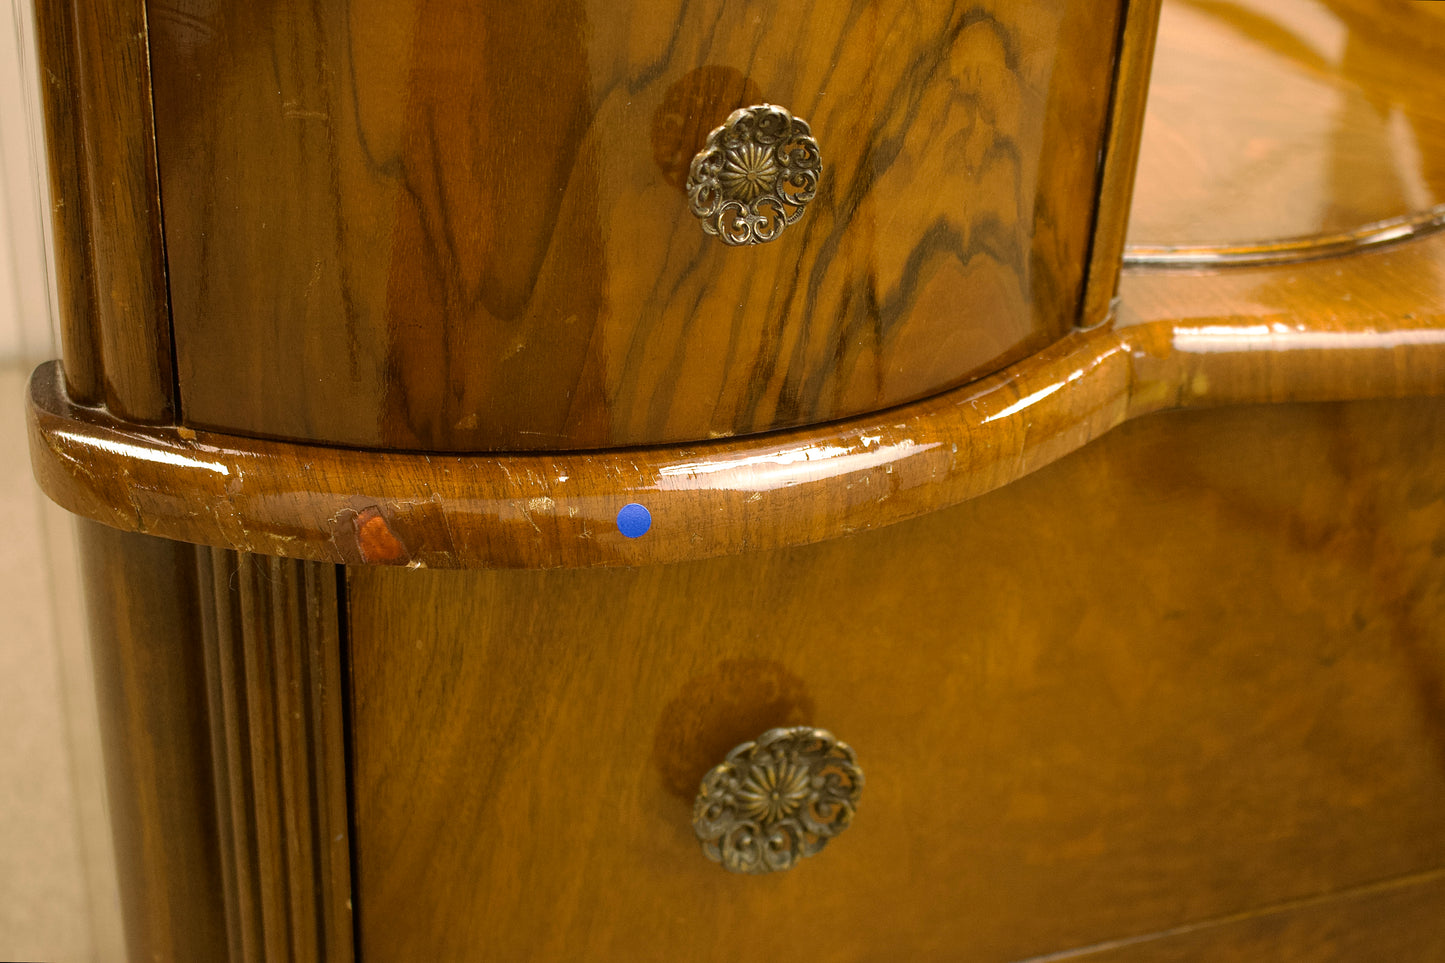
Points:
[(1363, 327), (109, 256), (143, 603), (461, 226), (1272, 119), (1193, 670), (132, 331), (72, 254)]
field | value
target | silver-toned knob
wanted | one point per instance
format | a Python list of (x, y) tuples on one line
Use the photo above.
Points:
[(755, 175), (777, 799)]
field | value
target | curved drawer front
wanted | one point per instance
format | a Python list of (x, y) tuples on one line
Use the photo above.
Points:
[(466, 226)]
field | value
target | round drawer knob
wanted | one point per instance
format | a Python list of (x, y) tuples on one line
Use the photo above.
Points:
[(777, 799), (755, 176)]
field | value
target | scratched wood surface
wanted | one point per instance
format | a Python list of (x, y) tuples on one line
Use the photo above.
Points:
[(1367, 326), (109, 252), (1397, 920), (1193, 670), (461, 225)]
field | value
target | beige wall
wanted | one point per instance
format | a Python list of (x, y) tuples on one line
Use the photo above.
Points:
[(25, 329)]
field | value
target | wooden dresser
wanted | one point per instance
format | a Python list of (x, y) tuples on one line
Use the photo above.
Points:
[(708, 480)]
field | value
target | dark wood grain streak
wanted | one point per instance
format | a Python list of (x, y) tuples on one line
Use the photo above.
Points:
[(62, 93), (122, 191), (431, 225), (146, 643), (1369, 326), (274, 692)]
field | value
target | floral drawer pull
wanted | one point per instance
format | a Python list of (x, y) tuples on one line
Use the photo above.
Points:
[(755, 176), (776, 800)]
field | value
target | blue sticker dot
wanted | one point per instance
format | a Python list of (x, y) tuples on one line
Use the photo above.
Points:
[(634, 520)]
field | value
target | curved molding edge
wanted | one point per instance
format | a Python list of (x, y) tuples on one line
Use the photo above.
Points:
[(1314, 332), (1284, 250)]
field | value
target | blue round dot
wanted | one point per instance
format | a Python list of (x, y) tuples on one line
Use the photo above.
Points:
[(634, 520)]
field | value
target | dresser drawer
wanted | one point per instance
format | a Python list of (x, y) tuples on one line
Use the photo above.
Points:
[(1199, 697), (466, 225)]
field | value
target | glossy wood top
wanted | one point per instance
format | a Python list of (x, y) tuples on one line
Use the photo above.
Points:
[(462, 225), (1368, 326), (1276, 119)]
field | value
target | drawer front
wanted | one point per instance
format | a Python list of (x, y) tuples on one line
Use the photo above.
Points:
[(1214, 689), (459, 225)]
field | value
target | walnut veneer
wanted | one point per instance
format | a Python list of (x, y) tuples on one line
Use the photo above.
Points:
[(1122, 570)]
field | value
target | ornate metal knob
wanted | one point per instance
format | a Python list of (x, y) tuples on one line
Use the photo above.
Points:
[(776, 800), (755, 175)]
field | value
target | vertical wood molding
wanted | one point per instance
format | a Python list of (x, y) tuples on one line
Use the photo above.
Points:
[(61, 94), (123, 201), (220, 685), (1121, 158), (274, 689)]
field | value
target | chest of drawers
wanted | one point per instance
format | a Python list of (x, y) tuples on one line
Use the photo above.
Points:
[(458, 498)]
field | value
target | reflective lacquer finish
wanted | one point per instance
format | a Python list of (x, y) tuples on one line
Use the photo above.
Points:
[(1291, 126), (1305, 328), (1368, 326), (447, 225)]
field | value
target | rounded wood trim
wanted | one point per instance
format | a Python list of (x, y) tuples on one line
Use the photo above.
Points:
[(1369, 326)]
